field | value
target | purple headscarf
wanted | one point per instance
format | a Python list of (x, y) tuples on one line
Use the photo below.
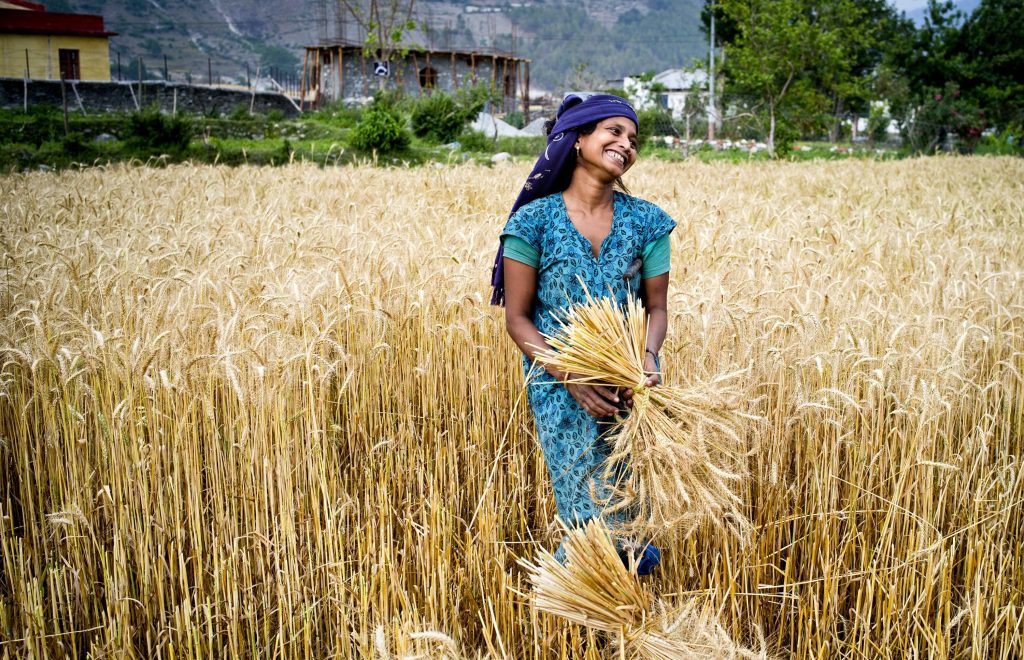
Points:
[(553, 170)]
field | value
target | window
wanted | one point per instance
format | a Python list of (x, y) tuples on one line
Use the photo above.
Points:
[(69, 67), (428, 77)]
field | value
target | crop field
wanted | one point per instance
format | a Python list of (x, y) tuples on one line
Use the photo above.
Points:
[(254, 412)]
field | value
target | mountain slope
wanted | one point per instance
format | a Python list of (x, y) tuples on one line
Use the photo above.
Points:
[(598, 39)]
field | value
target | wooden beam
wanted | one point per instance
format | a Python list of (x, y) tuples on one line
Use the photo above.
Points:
[(526, 95), (455, 75), (302, 87), (504, 78), (472, 65), (366, 82), (341, 74), (419, 78)]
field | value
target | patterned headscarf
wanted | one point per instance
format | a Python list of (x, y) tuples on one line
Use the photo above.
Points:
[(553, 170)]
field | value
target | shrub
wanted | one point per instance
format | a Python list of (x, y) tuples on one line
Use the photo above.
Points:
[(152, 131), (437, 118), (515, 118), (379, 130), (475, 141), (654, 121)]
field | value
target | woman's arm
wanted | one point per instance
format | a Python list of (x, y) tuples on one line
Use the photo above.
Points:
[(520, 289), (654, 295)]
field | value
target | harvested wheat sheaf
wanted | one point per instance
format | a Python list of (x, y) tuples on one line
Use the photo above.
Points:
[(679, 457), (594, 589)]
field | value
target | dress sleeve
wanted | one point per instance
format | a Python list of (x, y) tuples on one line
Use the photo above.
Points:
[(524, 224), (658, 224), (656, 257), (518, 249)]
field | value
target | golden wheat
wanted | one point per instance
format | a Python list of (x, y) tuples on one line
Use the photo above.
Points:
[(267, 412)]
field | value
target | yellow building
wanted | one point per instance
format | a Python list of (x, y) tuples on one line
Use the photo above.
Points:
[(51, 45)]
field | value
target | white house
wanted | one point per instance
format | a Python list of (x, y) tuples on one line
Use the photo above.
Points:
[(677, 90)]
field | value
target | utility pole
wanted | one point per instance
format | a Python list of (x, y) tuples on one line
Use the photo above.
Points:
[(711, 79)]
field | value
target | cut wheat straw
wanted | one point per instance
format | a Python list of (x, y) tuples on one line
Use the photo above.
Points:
[(594, 589), (683, 448)]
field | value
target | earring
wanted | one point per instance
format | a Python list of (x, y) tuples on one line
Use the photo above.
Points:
[(577, 150)]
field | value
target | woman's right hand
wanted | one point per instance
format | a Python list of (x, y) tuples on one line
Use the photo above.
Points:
[(597, 400)]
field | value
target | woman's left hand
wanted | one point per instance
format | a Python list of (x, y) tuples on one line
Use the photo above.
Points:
[(653, 379)]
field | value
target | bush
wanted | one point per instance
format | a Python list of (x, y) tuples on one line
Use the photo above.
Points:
[(515, 118), (437, 118), (379, 130), (654, 121), (154, 132)]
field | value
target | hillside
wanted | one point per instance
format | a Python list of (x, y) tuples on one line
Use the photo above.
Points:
[(589, 40)]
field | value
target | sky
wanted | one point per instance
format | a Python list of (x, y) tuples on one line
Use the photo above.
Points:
[(907, 5)]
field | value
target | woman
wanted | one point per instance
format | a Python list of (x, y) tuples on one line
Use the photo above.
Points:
[(570, 228)]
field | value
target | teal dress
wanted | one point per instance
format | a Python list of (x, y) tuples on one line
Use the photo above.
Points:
[(570, 438)]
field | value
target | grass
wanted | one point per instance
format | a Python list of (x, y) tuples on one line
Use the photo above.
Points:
[(267, 412)]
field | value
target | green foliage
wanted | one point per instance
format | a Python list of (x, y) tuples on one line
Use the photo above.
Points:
[(153, 132), (878, 122), (1008, 143), (515, 118), (441, 118), (654, 121), (437, 118), (947, 118), (475, 141), (380, 130)]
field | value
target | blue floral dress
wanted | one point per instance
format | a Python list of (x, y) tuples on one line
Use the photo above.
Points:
[(571, 438)]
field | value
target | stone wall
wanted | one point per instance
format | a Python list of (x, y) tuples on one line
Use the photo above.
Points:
[(115, 96)]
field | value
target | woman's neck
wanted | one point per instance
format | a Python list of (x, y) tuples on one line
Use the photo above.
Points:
[(588, 193)]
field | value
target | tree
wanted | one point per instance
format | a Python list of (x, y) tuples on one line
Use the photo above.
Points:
[(385, 27), (774, 46), (993, 72)]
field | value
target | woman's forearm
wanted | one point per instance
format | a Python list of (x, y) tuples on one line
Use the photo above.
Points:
[(529, 340)]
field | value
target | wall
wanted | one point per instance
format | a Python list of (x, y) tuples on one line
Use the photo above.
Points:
[(122, 96), (43, 57)]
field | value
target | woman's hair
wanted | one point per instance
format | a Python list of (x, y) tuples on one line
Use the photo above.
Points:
[(585, 129)]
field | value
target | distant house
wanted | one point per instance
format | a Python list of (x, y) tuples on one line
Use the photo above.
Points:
[(342, 72), (52, 45), (677, 90)]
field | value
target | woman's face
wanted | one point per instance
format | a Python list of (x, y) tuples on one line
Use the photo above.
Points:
[(611, 147)]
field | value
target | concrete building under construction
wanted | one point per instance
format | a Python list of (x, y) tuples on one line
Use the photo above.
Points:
[(343, 72)]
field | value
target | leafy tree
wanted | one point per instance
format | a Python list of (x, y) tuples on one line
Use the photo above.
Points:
[(993, 73), (775, 44), (386, 28)]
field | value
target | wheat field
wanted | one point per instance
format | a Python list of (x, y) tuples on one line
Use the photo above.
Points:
[(268, 413)]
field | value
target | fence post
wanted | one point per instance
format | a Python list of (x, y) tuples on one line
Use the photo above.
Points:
[(64, 103), (139, 70), (28, 73), (166, 78), (209, 70)]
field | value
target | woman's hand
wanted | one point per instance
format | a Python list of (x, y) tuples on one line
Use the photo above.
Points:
[(597, 400), (653, 379)]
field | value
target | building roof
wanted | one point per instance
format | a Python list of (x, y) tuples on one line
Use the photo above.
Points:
[(21, 4), (19, 21), (681, 79)]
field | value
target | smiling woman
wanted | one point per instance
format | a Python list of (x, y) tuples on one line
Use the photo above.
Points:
[(571, 232)]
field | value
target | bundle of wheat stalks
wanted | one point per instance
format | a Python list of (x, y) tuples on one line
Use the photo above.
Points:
[(596, 590), (680, 454)]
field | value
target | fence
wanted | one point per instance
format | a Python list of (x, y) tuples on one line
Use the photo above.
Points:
[(114, 96)]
